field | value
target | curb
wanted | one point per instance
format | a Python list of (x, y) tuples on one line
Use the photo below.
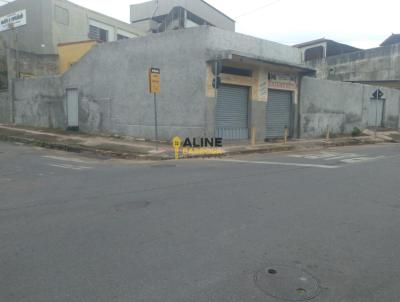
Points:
[(126, 155), (73, 148)]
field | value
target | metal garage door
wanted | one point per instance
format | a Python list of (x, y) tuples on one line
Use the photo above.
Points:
[(232, 112), (278, 113), (375, 113)]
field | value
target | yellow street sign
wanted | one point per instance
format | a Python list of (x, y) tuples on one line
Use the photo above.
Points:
[(154, 80)]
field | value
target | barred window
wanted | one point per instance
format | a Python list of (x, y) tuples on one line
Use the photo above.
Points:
[(98, 34)]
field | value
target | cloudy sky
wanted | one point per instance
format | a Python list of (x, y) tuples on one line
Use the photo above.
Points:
[(361, 23)]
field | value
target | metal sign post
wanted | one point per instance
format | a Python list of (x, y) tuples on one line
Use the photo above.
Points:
[(377, 96), (216, 70), (154, 87), (15, 34), (155, 120)]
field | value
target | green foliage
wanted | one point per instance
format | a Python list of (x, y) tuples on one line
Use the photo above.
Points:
[(356, 132)]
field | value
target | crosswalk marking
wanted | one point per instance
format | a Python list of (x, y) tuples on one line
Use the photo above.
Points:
[(277, 163), (71, 167), (324, 155), (70, 159), (342, 156), (76, 164)]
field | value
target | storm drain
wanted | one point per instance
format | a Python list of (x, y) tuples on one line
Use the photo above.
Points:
[(287, 283)]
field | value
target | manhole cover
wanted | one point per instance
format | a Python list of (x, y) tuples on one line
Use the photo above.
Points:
[(287, 283)]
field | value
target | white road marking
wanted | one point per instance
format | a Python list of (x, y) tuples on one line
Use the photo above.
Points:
[(71, 167), (70, 159), (360, 159), (321, 155), (348, 158), (345, 155), (277, 163)]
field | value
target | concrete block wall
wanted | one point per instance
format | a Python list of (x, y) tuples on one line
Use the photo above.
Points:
[(40, 102), (32, 65), (341, 106), (372, 65), (5, 114), (116, 75)]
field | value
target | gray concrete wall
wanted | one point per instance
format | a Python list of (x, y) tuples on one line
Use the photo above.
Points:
[(341, 106), (122, 82), (225, 40), (380, 64), (3, 67), (40, 102), (4, 107), (32, 65)]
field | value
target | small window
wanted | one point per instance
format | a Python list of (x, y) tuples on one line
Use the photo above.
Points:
[(315, 53), (121, 37), (237, 71), (98, 34), (61, 15)]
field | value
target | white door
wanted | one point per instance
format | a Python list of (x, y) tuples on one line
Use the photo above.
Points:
[(72, 109)]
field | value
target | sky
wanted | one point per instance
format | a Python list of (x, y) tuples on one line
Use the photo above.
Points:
[(360, 23)]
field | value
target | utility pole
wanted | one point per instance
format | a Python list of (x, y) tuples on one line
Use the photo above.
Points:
[(217, 80), (16, 47)]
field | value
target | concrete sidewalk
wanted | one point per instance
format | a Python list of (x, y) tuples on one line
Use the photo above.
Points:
[(129, 148)]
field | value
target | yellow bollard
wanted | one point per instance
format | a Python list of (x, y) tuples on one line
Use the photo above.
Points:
[(253, 136), (286, 134), (328, 133)]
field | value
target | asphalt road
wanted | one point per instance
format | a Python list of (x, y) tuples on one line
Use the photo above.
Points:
[(249, 228)]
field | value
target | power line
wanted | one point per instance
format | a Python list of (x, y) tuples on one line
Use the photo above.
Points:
[(257, 9)]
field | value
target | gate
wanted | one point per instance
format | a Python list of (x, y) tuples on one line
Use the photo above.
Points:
[(72, 109)]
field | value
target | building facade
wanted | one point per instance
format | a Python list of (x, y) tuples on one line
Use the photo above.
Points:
[(259, 88), (162, 15), (322, 49), (264, 91), (339, 62), (52, 22)]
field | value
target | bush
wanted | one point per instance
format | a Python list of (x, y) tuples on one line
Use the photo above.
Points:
[(356, 132)]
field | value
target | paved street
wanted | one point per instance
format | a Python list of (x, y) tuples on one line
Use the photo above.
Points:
[(74, 228)]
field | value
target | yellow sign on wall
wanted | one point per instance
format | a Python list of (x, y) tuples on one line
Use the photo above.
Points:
[(154, 80)]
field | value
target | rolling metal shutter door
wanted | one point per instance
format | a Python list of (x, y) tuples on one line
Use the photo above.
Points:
[(278, 113), (232, 112)]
